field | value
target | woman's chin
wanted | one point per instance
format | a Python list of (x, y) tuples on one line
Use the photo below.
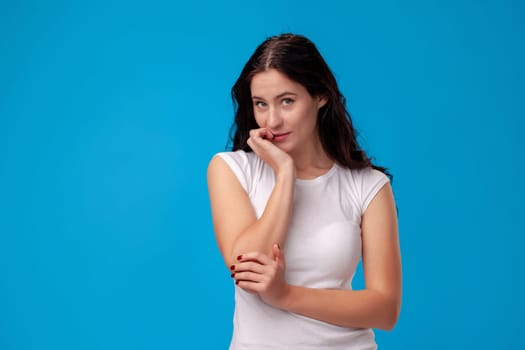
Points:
[(283, 147)]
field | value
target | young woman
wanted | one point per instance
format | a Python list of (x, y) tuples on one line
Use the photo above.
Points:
[(297, 204)]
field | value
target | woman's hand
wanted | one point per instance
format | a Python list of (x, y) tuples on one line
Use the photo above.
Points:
[(260, 143), (256, 272)]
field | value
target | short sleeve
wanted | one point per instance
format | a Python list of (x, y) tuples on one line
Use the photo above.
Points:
[(371, 181), (238, 163)]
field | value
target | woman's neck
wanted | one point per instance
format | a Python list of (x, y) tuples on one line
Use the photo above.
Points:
[(311, 161)]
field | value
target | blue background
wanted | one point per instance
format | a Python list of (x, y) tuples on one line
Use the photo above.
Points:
[(110, 112)]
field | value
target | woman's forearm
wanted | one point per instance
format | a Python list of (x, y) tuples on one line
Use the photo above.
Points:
[(273, 224), (345, 308)]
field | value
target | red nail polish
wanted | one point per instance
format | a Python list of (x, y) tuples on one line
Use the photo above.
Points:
[(237, 282), (233, 275), (232, 267), (239, 257)]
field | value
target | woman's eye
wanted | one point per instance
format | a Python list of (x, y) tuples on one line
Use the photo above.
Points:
[(287, 101), (260, 104)]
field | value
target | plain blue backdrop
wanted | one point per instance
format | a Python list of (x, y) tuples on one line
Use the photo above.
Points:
[(111, 110)]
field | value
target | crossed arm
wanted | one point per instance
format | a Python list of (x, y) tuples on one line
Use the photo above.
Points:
[(377, 306)]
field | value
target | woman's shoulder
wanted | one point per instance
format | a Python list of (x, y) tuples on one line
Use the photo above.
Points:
[(239, 157), (363, 183), (247, 166), (359, 175)]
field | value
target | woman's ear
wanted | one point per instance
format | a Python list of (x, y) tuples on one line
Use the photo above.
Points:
[(321, 101)]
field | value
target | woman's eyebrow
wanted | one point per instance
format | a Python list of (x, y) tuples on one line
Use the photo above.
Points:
[(278, 96)]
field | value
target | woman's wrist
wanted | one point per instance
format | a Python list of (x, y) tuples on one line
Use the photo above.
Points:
[(286, 171), (283, 302)]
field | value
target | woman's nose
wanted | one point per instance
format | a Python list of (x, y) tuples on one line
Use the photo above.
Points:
[(274, 119)]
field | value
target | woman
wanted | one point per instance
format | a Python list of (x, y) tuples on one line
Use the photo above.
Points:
[(296, 204)]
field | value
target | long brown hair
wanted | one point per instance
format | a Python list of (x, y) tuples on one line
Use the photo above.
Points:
[(298, 58)]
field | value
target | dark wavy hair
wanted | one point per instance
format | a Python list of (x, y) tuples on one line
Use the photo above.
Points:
[(298, 58)]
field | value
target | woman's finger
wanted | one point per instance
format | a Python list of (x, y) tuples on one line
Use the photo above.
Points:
[(250, 276), (266, 134), (261, 133), (256, 257), (249, 286), (261, 137), (248, 266)]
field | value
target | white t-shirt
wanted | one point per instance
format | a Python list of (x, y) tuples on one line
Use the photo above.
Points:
[(322, 250)]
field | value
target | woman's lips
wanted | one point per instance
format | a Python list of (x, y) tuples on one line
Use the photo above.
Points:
[(280, 137)]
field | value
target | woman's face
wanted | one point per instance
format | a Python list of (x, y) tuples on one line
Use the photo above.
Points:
[(286, 109)]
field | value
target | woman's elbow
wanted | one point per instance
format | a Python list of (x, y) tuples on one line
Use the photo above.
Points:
[(390, 316)]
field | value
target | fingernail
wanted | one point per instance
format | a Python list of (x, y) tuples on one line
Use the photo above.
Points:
[(237, 282), (232, 267), (233, 274), (239, 257)]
